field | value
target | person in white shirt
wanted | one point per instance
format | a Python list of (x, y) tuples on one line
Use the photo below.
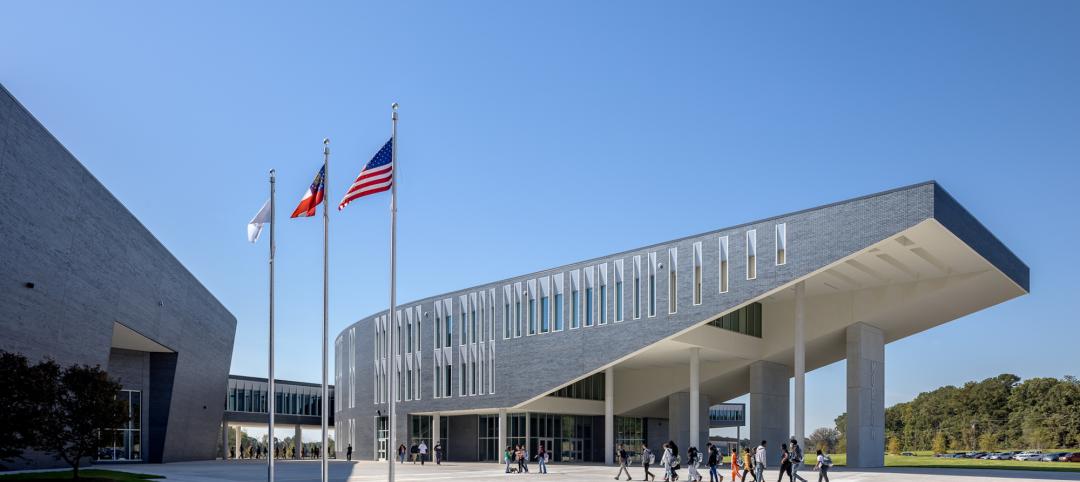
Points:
[(759, 462), (423, 452), (823, 464)]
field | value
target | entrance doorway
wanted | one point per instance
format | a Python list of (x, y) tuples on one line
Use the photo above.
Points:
[(572, 450), (549, 445)]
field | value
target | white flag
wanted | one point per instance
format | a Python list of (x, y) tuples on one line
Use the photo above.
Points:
[(256, 224)]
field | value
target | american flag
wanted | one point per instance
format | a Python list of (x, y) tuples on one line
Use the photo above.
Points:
[(377, 176)]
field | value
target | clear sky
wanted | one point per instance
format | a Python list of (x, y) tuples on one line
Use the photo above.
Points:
[(534, 135)]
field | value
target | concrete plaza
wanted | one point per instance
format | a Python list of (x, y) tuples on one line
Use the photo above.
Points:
[(305, 471)]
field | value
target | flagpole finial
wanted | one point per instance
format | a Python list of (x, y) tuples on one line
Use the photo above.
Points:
[(273, 172), (326, 140), (394, 106)]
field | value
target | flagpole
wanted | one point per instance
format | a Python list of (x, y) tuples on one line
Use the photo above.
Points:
[(270, 378), (326, 302), (393, 271)]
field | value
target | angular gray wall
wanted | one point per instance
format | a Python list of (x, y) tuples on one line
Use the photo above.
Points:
[(92, 264)]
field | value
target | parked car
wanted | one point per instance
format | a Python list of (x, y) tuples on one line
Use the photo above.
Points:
[(907, 454), (1002, 456), (1032, 455), (1052, 457), (1070, 457)]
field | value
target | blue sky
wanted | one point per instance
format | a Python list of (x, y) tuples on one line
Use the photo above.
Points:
[(538, 134)]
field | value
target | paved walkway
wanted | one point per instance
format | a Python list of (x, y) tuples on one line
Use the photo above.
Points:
[(308, 471)]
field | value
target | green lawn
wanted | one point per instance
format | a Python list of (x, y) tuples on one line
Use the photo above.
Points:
[(88, 475), (928, 461)]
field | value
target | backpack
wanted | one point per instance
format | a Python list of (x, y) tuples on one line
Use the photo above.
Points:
[(677, 464), (652, 458), (826, 461)]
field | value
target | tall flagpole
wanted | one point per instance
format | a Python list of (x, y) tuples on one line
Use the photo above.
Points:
[(393, 273), (325, 302), (270, 378)]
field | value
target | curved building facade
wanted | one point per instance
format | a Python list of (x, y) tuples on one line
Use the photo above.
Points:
[(636, 346)]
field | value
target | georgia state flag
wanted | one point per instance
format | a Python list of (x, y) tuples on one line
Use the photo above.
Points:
[(312, 197)]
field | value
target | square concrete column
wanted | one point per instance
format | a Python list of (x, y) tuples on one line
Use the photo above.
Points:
[(436, 434), (239, 438), (800, 362), (502, 435), (609, 416), (680, 428), (224, 441), (865, 396), (298, 441), (769, 407), (695, 398)]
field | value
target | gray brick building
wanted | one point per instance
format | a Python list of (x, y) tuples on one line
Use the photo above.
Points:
[(82, 281), (636, 346)]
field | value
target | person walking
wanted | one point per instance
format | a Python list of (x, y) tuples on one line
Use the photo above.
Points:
[(623, 459), (748, 466), (647, 459), (693, 459), (523, 465), (666, 461), (348, 453), (823, 464), (796, 461), (423, 451), (760, 458), (785, 463), (414, 453), (712, 462), (676, 460), (735, 464), (401, 453), (508, 456), (541, 458), (438, 453)]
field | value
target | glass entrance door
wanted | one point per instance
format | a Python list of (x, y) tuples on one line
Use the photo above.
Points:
[(572, 450), (382, 437), (549, 445)]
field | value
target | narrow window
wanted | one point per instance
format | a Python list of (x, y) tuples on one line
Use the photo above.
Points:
[(438, 380), (463, 379), (506, 320), (464, 325), (491, 369), (781, 244), (449, 329), (637, 287), (652, 294), (588, 307), (448, 388), (517, 317), (602, 303), (472, 329), (410, 347), (618, 300), (724, 262), (575, 309), (673, 281), (558, 312), (751, 254), (491, 317), (545, 315), (438, 331), (532, 315), (697, 273)]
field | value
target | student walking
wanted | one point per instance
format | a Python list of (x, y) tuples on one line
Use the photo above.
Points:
[(693, 459), (541, 458), (348, 453), (508, 456), (760, 459), (438, 453), (785, 463), (735, 464), (676, 460), (796, 461), (414, 453), (748, 466), (623, 459), (523, 465), (423, 452), (712, 462), (647, 459), (401, 453), (823, 464)]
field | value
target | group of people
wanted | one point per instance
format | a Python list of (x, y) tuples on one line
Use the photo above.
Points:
[(517, 459), (754, 464), (419, 453)]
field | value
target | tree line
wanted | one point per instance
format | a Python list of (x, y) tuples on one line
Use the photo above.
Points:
[(57, 410), (997, 413)]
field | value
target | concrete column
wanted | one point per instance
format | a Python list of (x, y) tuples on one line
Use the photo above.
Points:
[(502, 434), (236, 449), (695, 397), (436, 434), (298, 440), (865, 396), (609, 416), (679, 427), (769, 406), (800, 362), (224, 440)]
